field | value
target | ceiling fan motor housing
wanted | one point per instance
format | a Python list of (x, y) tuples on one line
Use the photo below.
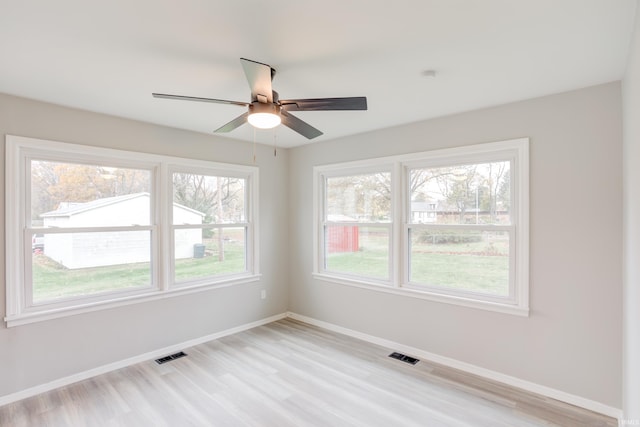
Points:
[(260, 107)]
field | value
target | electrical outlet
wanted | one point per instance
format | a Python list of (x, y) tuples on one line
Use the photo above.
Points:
[(263, 294)]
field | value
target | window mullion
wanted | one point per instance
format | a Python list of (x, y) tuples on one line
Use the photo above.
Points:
[(398, 216), (163, 267)]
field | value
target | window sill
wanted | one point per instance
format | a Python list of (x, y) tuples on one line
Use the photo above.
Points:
[(43, 314), (413, 293)]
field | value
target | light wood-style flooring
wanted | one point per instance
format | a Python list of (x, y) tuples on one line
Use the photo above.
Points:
[(288, 373)]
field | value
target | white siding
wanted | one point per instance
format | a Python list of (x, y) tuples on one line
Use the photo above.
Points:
[(82, 250)]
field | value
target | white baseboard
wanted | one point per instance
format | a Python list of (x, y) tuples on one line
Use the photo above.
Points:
[(472, 369), (61, 382)]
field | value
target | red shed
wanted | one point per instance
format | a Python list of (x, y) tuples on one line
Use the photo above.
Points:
[(342, 238)]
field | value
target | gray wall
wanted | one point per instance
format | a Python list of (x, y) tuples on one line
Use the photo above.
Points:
[(572, 340), (631, 156), (37, 353)]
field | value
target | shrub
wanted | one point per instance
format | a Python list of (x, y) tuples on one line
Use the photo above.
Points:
[(438, 237)]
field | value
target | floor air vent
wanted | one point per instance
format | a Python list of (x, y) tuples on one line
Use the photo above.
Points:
[(170, 357), (404, 358)]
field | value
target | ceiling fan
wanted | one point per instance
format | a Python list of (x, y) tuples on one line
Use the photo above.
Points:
[(266, 110)]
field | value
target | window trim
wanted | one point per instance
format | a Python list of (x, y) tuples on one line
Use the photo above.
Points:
[(247, 224), (515, 150), (322, 216), (19, 152)]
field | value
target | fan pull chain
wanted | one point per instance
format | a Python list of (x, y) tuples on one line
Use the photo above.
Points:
[(275, 143), (254, 146)]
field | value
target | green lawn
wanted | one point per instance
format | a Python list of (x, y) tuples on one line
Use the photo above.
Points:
[(53, 281), (477, 273), (366, 262), (481, 266), (478, 266), (193, 268), (372, 260)]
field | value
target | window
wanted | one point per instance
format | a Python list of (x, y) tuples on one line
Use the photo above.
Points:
[(210, 210), (466, 248), (448, 225), (90, 227), (356, 225), (95, 228)]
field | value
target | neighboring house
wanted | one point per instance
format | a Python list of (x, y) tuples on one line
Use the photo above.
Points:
[(442, 212), (80, 250), (423, 212)]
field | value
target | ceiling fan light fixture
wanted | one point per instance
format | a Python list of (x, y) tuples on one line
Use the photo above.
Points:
[(264, 115), (264, 120)]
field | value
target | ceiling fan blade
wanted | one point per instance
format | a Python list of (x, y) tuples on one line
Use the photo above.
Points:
[(194, 98), (233, 124), (303, 128), (325, 104), (259, 76)]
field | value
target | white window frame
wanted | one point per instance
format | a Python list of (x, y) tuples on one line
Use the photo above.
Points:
[(516, 151), (20, 151), (361, 169), (247, 224)]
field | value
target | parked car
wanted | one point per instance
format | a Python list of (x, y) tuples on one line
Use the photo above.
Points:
[(37, 243)]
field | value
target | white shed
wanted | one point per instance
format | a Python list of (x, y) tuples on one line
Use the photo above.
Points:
[(80, 250)]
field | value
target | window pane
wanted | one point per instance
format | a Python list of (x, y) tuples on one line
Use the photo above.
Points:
[(467, 260), (208, 199), (83, 195), (75, 264), (361, 198), (357, 250), (201, 253), (466, 194)]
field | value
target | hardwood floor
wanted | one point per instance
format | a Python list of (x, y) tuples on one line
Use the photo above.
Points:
[(288, 373)]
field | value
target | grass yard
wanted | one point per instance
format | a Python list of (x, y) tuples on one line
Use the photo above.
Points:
[(195, 268), (371, 260), (52, 281), (365, 262), (476, 266), (476, 273)]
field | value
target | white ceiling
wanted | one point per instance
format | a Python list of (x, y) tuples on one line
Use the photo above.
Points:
[(109, 56)]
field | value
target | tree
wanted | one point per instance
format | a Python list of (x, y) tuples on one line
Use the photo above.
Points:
[(504, 191), (363, 197), (456, 185), (221, 199), (479, 188), (53, 183), (496, 173), (43, 178)]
